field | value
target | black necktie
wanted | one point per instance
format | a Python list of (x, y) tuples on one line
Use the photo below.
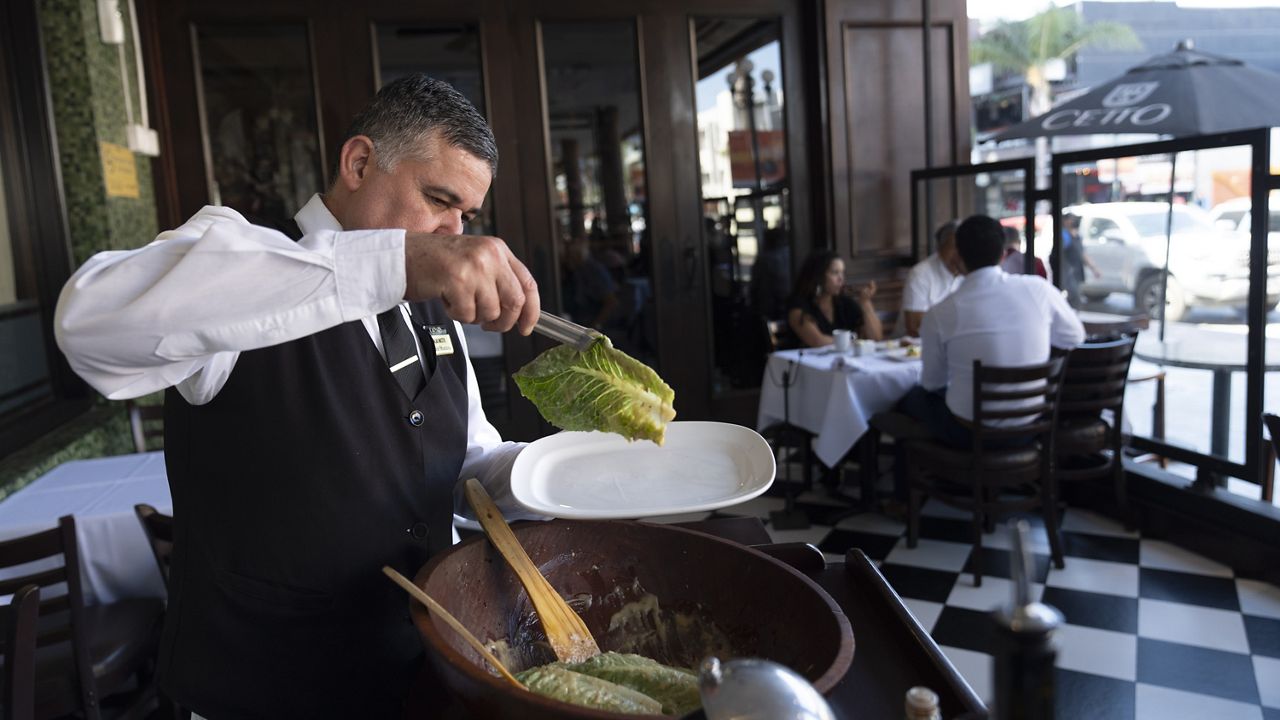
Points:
[(401, 352)]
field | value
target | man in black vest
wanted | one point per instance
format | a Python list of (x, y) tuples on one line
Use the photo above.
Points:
[(319, 411)]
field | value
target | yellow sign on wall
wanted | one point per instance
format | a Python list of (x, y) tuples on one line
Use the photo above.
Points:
[(119, 170)]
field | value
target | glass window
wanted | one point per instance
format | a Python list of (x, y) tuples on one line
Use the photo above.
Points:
[(1185, 220), (742, 157), (448, 52), (1184, 267), (258, 115), (598, 181), (24, 370), (451, 52), (1097, 228)]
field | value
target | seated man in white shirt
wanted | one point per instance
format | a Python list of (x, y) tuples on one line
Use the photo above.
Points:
[(1001, 319), (929, 281)]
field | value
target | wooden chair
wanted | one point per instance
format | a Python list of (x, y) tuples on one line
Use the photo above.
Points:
[(888, 302), (1272, 422), (146, 422), (1098, 330), (974, 479), (159, 530), (1087, 446), (89, 653), (20, 654)]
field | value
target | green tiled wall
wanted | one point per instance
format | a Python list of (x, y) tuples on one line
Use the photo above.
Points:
[(88, 107)]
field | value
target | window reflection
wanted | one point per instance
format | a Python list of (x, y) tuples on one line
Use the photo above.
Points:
[(258, 115), (448, 52), (451, 52), (742, 158), (599, 180)]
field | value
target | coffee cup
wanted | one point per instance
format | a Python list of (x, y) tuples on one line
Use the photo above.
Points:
[(844, 340)]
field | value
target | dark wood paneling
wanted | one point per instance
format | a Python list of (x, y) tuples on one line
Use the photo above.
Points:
[(876, 110)]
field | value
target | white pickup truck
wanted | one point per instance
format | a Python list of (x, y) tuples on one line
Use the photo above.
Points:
[(1208, 265)]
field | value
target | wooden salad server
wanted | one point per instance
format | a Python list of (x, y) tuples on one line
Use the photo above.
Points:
[(566, 632), (436, 609)]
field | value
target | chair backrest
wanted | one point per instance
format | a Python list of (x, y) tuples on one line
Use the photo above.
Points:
[(159, 530), (146, 422), (1115, 325), (1095, 378), (50, 560), (20, 654), (1028, 393)]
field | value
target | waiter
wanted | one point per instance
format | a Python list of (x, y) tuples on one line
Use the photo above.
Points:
[(319, 408)]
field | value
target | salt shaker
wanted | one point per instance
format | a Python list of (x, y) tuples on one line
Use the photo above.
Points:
[(922, 704)]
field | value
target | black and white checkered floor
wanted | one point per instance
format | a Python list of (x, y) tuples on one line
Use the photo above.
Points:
[(1152, 631)]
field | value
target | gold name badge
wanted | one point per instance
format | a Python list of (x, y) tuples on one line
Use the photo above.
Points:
[(443, 341)]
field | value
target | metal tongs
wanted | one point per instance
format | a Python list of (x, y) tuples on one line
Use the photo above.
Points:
[(566, 332)]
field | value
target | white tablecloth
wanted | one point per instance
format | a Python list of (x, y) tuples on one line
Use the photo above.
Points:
[(115, 558), (831, 401)]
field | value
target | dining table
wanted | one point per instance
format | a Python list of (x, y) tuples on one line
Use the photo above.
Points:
[(834, 394), (116, 561), (1223, 353)]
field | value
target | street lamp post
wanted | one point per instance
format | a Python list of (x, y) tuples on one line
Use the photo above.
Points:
[(742, 87)]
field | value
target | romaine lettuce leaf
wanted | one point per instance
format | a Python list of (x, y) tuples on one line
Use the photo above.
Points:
[(601, 388)]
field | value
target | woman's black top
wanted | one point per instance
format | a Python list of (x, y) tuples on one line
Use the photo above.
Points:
[(847, 314)]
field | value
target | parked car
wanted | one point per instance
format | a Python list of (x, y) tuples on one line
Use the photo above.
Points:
[(1208, 265)]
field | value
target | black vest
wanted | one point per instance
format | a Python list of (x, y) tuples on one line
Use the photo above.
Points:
[(291, 489)]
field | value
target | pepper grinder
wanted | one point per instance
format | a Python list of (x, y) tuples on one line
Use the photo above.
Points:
[(1024, 663)]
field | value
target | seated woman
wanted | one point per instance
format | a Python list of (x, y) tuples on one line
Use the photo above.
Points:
[(820, 303)]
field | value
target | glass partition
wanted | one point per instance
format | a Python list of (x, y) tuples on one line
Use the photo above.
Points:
[(742, 158), (997, 190), (1161, 236)]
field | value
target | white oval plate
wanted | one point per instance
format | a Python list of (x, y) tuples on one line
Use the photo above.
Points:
[(596, 476)]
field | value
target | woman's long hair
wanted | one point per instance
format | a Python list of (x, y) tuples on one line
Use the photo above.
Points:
[(811, 275)]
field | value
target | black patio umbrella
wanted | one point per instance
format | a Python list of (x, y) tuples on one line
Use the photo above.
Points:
[(1185, 92)]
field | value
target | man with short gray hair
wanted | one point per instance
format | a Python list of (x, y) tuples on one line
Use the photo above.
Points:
[(930, 280), (320, 408)]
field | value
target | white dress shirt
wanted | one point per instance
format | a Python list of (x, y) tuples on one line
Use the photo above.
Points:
[(928, 282), (179, 311), (1000, 319)]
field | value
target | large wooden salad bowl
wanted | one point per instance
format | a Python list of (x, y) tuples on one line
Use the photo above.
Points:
[(713, 597)]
